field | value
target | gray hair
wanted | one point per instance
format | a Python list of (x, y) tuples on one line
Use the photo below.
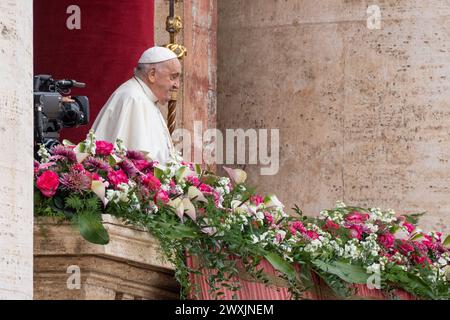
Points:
[(144, 68)]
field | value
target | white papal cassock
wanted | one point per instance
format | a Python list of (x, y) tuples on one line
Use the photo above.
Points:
[(132, 114)]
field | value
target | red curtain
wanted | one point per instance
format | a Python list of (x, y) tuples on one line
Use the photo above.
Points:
[(102, 53)]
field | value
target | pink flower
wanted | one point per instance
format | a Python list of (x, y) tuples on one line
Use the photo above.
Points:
[(410, 227), (312, 235), (190, 165), (356, 217), (405, 247), (36, 167), (387, 240), (78, 167), (103, 148), (269, 218), (141, 165), (298, 225), (161, 195), (331, 225), (193, 180), (256, 199), (117, 177), (279, 237), (356, 231), (47, 183), (151, 182), (95, 176), (420, 259), (205, 188)]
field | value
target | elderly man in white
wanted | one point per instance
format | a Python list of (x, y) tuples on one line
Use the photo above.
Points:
[(132, 112)]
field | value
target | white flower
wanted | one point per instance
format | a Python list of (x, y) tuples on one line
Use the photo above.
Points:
[(374, 268), (340, 204), (43, 154)]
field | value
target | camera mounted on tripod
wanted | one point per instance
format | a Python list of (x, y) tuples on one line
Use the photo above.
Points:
[(54, 109)]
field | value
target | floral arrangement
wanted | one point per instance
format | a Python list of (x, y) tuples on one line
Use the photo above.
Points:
[(217, 219)]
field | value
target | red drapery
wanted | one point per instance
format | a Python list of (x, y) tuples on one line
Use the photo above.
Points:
[(102, 53), (252, 290)]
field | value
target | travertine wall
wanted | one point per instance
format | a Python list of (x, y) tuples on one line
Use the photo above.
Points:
[(363, 114), (162, 38), (16, 157), (197, 97)]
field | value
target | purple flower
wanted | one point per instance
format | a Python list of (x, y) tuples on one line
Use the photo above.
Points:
[(75, 181), (96, 164), (63, 153)]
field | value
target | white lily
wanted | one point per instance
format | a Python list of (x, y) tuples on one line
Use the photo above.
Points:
[(237, 175), (195, 194), (272, 201), (99, 189)]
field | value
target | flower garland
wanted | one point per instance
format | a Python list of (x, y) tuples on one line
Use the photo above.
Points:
[(190, 210)]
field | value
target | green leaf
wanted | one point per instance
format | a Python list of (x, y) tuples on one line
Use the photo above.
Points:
[(446, 242), (417, 237), (92, 229), (111, 161), (198, 169), (280, 264), (180, 173), (210, 179), (345, 271), (410, 282), (176, 231), (414, 217), (158, 173)]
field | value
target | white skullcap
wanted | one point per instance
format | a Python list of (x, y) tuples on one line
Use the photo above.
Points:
[(157, 54)]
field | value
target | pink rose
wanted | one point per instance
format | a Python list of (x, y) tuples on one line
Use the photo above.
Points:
[(151, 182), (256, 199), (117, 177), (356, 217), (312, 234), (161, 195), (356, 231), (405, 247), (387, 240), (47, 183), (410, 227), (331, 225), (141, 164), (103, 148)]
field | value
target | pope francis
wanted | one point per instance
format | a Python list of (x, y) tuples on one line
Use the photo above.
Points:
[(132, 112)]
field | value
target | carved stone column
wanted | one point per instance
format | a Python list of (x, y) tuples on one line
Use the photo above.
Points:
[(129, 267), (16, 145)]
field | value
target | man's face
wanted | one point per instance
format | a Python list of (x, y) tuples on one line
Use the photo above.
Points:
[(165, 79)]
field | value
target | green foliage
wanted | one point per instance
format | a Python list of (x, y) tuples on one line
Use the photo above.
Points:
[(344, 270), (91, 228)]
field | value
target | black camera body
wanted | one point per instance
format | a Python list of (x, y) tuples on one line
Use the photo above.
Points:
[(53, 111)]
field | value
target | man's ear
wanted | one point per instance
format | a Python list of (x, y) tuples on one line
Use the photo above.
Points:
[(152, 75)]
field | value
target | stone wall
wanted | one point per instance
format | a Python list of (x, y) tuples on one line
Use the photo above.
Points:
[(129, 267), (362, 113), (16, 158), (197, 95)]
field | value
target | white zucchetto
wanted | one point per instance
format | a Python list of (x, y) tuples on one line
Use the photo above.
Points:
[(157, 54)]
